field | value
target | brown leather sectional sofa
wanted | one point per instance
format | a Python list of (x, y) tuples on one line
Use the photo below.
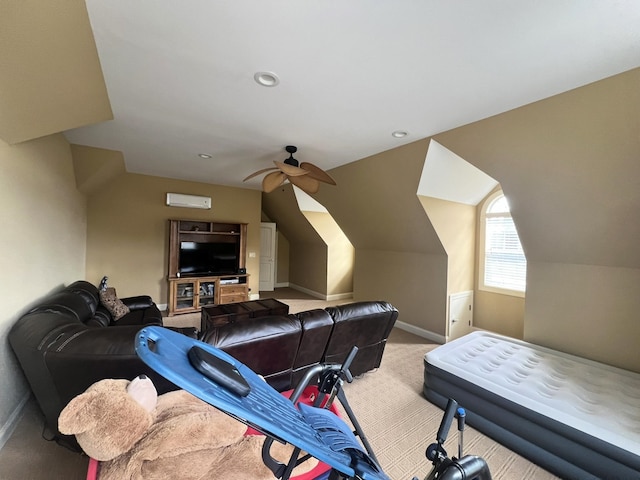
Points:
[(68, 341), (282, 348)]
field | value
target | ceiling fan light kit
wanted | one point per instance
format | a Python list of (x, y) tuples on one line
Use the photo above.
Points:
[(306, 176)]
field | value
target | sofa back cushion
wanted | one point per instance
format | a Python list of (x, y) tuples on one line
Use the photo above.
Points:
[(87, 291), (316, 329), (68, 303), (267, 345), (365, 325)]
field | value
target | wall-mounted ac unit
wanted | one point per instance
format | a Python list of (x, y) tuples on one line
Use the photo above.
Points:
[(188, 201)]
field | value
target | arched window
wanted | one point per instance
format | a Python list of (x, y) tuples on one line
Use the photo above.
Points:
[(503, 266)]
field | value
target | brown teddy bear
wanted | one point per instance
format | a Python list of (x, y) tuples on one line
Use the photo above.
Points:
[(136, 434)]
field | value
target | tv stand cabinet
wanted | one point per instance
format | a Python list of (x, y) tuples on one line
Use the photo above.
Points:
[(189, 293)]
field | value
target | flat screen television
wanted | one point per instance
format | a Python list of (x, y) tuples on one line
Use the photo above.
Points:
[(208, 258)]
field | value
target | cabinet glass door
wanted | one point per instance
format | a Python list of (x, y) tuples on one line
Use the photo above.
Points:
[(185, 295), (207, 291)]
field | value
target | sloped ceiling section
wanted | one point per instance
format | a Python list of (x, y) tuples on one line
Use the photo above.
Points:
[(569, 165), (282, 208), (307, 203), (51, 77), (375, 202), (95, 167), (448, 177)]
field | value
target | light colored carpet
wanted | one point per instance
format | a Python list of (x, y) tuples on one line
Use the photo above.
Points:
[(397, 420)]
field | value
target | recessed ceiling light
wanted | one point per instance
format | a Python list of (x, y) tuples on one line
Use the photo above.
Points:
[(204, 155), (266, 79), (399, 134)]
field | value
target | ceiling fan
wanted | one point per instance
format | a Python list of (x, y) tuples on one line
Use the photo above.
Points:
[(305, 175)]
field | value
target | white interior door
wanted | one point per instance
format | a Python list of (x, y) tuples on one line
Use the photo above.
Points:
[(267, 256)]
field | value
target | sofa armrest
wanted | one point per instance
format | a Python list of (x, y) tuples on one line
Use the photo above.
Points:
[(61, 358), (137, 303)]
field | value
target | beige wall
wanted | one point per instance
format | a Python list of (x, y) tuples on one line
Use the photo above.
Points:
[(569, 165), (499, 313), (51, 76), (42, 243), (398, 255), (415, 283), (128, 233), (95, 167), (308, 267), (340, 254), (282, 270), (309, 255), (588, 310), (455, 224)]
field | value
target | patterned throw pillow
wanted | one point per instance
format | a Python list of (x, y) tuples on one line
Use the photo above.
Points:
[(116, 308)]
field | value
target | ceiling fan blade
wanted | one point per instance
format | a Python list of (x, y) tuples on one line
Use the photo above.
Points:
[(290, 170), (255, 174), (273, 181), (317, 173), (306, 184)]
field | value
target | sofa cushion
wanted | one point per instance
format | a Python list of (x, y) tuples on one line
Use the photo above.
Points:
[(141, 317), (110, 300)]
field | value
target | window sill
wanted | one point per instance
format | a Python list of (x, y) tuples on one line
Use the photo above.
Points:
[(502, 291)]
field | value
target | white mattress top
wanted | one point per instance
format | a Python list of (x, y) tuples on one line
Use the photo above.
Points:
[(597, 399)]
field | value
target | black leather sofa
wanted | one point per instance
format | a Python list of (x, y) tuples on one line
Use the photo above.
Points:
[(282, 348), (69, 341)]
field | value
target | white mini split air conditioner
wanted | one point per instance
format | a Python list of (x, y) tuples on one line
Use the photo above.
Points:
[(188, 201)]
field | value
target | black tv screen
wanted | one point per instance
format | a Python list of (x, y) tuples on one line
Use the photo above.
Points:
[(208, 258)]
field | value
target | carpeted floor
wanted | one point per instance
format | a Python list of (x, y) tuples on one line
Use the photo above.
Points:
[(398, 421)]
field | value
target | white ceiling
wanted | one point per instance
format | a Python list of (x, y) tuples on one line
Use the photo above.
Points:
[(180, 74)]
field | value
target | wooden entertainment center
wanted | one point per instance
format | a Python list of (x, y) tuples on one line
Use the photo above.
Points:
[(206, 264)]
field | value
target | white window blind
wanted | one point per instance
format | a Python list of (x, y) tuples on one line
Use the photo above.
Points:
[(505, 265)]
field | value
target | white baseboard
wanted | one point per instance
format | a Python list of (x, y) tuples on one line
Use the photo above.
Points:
[(321, 296), (340, 296), (254, 296), (313, 293), (161, 306), (10, 425), (421, 332)]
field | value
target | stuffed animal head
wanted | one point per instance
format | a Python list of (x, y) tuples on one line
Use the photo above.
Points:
[(110, 416)]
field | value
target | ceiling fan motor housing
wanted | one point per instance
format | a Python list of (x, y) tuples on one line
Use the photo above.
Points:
[(291, 161)]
